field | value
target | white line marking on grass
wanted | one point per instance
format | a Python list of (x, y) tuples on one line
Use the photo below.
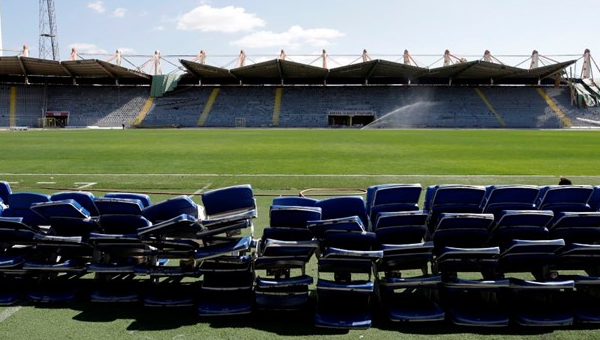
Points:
[(45, 182), (201, 190), (83, 185), (8, 312)]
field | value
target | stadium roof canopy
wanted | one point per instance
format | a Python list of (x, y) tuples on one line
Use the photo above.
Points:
[(33, 70), (374, 72), (279, 72)]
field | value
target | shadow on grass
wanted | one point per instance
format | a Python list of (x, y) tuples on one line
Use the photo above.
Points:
[(299, 323)]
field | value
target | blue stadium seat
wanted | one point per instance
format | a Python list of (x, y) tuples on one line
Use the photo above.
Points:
[(579, 261), (404, 295), (143, 198), (175, 239), (510, 197), (226, 265), (526, 247), (171, 208), (560, 198), (343, 206), (118, 249), (21, 207), (460, 246), (282, 254), (392, 197), (118, 206), (85, 199), (295, 201), (18, 247), (345, 269), (452, 198), (64, 253)]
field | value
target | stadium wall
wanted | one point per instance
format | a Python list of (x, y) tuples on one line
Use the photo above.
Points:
[(297, 106)]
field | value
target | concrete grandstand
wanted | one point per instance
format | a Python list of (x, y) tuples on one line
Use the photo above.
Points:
[(281, 93)]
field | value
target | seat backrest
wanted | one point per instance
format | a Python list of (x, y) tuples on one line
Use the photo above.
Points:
[(68, 208), (281, 216), (565, 198), (401, 218), (21, 207), (343, 206), (572, 219), (524, 218), (458, 195), (228, 199), (143, 198), (510, 197), (24, 200), (295, 201), (577, 227), (521, 225), (171, 208), (85, 199), (118, 206), (462, 230), (392, 197), (393, 193), (401, 227)]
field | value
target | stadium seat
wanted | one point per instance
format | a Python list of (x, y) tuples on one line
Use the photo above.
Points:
[(118, 206), (295, 201), (172, 239), (171, 208), (225, 260), (452, 198), (579, 261), (343, 206), (460, 246), (117, 251), (404, 295), (18, 247), (392, 197), (526, 247), (509, 197), (143, 198), (560, 198), (282, 254), (64, 252), (345, 272), (521, 224), (85, 199), (21, 207)]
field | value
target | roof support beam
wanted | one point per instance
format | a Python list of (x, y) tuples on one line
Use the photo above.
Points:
[(371, 71), (280, 69), (24, 69)]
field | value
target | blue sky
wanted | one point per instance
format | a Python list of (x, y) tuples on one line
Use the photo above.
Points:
[(304, 28)]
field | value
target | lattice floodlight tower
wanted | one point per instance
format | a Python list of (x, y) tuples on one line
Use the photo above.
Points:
[(48, 45)]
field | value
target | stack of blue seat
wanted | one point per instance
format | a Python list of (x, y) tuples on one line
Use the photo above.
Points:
[(282, 253), (484, 256), (225, 258), (346, 264)]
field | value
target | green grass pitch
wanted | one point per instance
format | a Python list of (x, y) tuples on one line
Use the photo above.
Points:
[(275, 162)]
